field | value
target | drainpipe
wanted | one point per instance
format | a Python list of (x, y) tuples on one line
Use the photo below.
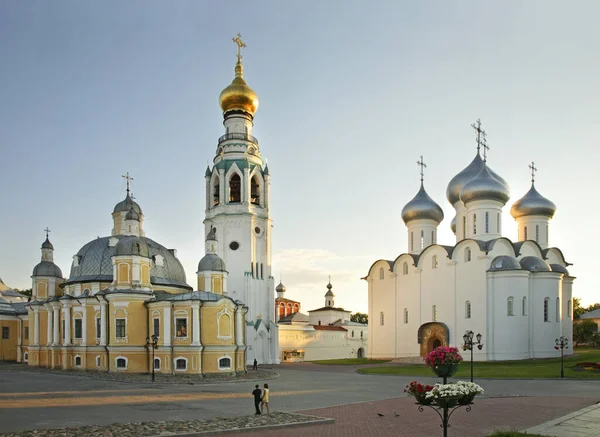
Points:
[(20, 346), (172, 337), (107, 333), (201, 342), (148, 336)]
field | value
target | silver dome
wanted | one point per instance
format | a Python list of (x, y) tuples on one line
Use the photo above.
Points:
[(47, 245), (132, 215), (533, 203), (211, 263), (422, 207), (94, 263), (126, 205), (534, 264), (132, 245), (469, 172), (485, 186), (560, 269), (453, 225), (505, 262), (47, 268), (280, 288)]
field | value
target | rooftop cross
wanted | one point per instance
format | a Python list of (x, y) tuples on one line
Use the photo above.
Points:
[(47, 231), (533, 170), (238, 41), (477, 127), (128, 178), (422, 166), (485, 147)]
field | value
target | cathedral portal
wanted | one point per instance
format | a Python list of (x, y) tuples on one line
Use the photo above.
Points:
[(432, 335)]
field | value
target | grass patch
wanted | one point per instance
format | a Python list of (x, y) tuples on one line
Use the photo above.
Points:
[(539, 368), (349, 362), (514, 434)]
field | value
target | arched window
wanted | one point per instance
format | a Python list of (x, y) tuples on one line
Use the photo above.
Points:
[(432, 237), (156, 363), (525, 233), (121, 363), (26, 357), (412, 242), (467, 254), (405, 268), (524, 310), (546, 233), (254, 191), (405, 315), (77, 361), (467, 310), (434, 262), (381, 318), (474, 224), (498, 223), (224, 363), (381, 274), (464, 227), (558, 309), (216, 191), (353, 333), (546, 313), (537, 233), (487, 222), (569, 308), (434, 314), (422, 239), (510, 306), (181, 364), (235, 189), (361, 334)]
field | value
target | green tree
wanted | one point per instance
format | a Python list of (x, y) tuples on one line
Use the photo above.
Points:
[(578, 310), (359, 318), (584, 332), (26, 292)]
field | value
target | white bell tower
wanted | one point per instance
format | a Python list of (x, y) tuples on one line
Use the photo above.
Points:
[(237, 207)]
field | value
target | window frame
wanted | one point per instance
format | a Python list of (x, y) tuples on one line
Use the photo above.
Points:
[(77, 323), (468, 309), (123, 359), (224, 367), (405, 316), (381, 318), (6, 333), (177, 333), (524, 306), (177, 361), (546, 309), (510, 306), (121, 329), (156, 326)]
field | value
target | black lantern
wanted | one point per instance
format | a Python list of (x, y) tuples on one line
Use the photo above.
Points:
[(561, 343), (469, 343), (152, 342)]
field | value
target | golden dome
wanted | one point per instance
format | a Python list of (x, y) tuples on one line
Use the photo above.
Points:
[(238, 95)]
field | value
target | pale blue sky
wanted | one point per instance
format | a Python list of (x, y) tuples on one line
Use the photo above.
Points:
[(351, 93)]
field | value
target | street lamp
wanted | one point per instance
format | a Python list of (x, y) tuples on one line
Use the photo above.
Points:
[(152, 342), (561, 343), (468, 345)]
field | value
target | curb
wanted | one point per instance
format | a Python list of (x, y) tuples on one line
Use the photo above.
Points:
[(546, 426), (316, 421)]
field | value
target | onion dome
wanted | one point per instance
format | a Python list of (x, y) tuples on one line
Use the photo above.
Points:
[(453, 225), (505, 262), (211, 262), (238, 96), (422, 207), (132, 245), (47, 245), (132, 215), (47, 268), (126, 205), (533, 203), (457, 183), (485, 186), (329, 292), (534, 264), (280, 288), (560, 269)]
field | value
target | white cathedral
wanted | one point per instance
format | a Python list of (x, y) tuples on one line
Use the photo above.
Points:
[(518, 295)]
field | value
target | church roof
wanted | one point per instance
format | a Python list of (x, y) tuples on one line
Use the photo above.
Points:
[(295, 317), (594, 314), (285, 300), (328, 328), (328, 309), (204, 296), (47, 268)]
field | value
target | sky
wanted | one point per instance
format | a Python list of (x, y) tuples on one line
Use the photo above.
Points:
[(351, 94)]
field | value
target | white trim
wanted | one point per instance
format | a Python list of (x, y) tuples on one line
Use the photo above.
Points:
[(75, 361), (223, 312), (175, 364), (219, 363), (121, 339), (117, 358)]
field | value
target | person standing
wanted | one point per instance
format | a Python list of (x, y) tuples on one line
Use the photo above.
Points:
[(255, 365), (257, 398), (265, 399)]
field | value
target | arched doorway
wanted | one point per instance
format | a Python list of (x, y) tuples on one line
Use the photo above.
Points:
[(432, 335), (360, 353)]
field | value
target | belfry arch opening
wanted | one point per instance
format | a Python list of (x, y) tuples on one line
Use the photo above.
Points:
[(235, 189), (216, 191), (255, 190)]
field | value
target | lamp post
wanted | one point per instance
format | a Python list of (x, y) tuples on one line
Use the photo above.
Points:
[(152, 342), (469, 343), (561, 343)]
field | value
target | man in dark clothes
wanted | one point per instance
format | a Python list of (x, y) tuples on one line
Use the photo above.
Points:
[(255, 365), (257, 398)]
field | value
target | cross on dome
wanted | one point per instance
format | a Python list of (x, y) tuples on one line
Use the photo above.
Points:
[(485, 147), (480, 133), (238, 41), (47, 232), (533, 170), (128, 179), (422, 168)]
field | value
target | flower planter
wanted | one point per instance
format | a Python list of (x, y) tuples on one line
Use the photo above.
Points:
[(445, 370), (422, 400), (446, 402), (466, 400)]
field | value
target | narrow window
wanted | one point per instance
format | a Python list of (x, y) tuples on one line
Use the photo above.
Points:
[(434, 262), (422, 240), (181, 327), (78, 326), (467, 310), (381, 273), (464, 227), (432, 237), (181, 364), (252, 268), (487, 222), (568, 309), (405, 268), (434, 313), (361, 334), (405, 315), (26, 330), (235, 189), (558, 309), (510, 306), (120, 330), (156, 364), (156, 327), (78, 361), (524, 311), (97, 361), (5, 333), (353, 333), (26, 357), (412, 242), (254, 192), (381, 318), (525, 232), (546, 234), (261, 271), (498, 223), (537, 233), (63, 329), (121, 363), (546, 314), (216, 192), (467, 254), (474, 224), (98, 328)]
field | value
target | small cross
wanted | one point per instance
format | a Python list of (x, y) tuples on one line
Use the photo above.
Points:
[(47, 232), (422, 166), (485, 147), (128, 178), (238, 41), (477, 127), (132, 196), (533, 170)]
